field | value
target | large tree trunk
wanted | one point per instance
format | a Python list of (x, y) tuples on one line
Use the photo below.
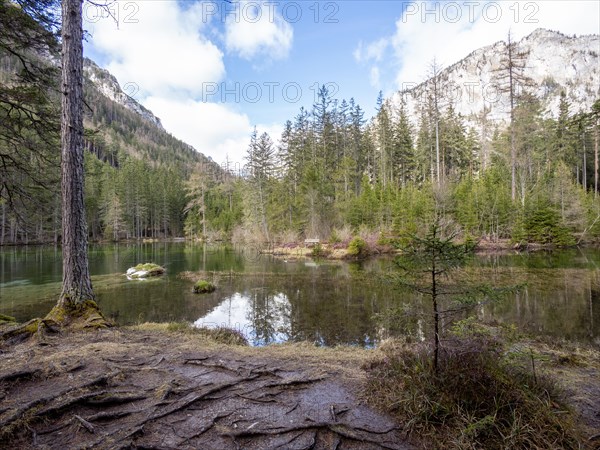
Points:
[(2, 227), (76, 307), (77, 285)]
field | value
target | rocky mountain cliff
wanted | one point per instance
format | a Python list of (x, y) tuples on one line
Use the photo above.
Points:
[(123, 126), (108, 85), (555, 62)]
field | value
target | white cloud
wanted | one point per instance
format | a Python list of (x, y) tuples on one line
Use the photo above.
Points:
[(441, 30), (372, 52), (374, 77), (449, 31), (213, 129), (256, 29), (162, 47), (158, 46)]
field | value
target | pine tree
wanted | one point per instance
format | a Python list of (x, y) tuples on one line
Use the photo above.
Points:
[(403, 157), (564, 136), (425, 264), (261, 166), (76, 300), (77, 284), (512, 80)]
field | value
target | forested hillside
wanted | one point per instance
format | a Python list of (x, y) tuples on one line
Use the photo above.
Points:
[(135, 170), (334, 173)]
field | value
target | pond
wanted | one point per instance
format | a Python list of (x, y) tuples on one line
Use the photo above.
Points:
[(327, 302)]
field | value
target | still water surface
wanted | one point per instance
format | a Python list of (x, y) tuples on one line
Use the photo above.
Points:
[(326, 302)]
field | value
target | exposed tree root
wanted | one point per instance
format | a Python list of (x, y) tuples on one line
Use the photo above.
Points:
[(35, 408), (342, 430), (243, 403), (204, 429), (77, 316), (20, 375), (37, 328), (88, 426), (71, 316)]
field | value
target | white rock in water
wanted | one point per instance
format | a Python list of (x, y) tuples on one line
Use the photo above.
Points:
[(131, 271), (140, 274)]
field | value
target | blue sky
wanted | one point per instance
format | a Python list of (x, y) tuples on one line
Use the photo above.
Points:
[(213, 70)]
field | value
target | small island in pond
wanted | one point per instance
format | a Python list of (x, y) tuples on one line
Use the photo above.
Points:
[(203, 287), (145, 270)]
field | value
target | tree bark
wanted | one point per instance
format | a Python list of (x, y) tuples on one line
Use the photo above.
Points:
[(596, 138), (76, 284), (2, 227)]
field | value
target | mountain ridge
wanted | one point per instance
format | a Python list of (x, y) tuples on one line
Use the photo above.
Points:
[(555, 62), (108, 85)]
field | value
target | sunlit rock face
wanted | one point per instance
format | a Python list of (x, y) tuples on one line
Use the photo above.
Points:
[(108, 85), (554, 62)]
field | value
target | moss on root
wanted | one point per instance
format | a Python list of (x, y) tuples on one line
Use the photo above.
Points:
[(77, 316), (66, 315), (37, 328), (6, 319)]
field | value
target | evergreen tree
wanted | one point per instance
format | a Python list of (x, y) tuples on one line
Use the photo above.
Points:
[(512, 80), (261, 169), (564, 140), (403, 156), (77, 284)]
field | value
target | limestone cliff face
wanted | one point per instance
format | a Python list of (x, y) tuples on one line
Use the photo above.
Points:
[(555, 62), (108, 85)]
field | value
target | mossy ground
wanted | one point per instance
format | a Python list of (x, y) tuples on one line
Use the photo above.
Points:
[(6, 319)]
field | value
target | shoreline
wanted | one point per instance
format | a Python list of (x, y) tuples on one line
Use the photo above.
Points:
[(483, 247), (116, 381)]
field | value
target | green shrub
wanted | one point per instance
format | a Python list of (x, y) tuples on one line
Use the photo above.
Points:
[(334, 237), (318, 251), (541, 224), (357, 247), (478, 398)]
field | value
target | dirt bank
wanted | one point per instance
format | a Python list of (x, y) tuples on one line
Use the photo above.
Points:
[(146, 388)]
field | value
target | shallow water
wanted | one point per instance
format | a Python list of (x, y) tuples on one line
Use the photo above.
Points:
[(327, 302)]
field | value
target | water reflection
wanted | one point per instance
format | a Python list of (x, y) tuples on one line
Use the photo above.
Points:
[(325, 302), (261, 317)]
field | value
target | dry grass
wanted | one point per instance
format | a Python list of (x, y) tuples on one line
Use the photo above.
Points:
[(476, 400), (345, 359)]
